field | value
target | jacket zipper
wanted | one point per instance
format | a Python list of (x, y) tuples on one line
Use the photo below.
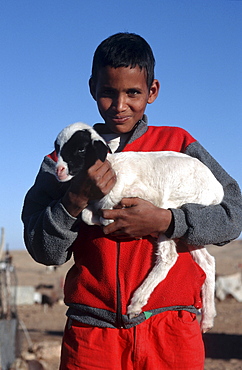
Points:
[(118, 291)]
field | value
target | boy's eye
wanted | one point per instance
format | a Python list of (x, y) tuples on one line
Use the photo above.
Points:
[(133, 92), (108, 92)]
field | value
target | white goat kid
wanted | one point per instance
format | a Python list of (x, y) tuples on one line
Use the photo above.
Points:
[(167, 179)]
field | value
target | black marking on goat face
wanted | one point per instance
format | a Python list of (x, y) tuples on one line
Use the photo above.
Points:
[(80, 153), (57, 147)]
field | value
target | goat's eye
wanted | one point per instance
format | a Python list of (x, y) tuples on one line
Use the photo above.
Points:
[(80, 152)]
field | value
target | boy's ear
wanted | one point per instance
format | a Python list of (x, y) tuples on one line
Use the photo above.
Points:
[(154, 91), (92, 88)]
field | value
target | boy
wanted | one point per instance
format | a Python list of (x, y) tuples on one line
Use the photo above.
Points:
[(110, 263)]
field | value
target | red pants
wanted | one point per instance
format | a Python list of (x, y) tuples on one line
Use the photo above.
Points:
[(171, 340)]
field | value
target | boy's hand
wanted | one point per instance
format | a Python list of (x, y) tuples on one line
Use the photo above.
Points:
[(98, 181), (137, 218)]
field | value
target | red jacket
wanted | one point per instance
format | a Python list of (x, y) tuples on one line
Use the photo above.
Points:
[(107, 271)]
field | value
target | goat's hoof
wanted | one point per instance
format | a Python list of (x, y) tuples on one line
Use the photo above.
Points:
[(206, 326), (132, 315), (133, 312)]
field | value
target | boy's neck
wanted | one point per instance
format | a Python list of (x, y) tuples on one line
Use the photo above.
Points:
[(116, 142), (119, 141), (103, 129)]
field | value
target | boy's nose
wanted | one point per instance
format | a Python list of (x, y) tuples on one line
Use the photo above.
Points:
[(120, 103)]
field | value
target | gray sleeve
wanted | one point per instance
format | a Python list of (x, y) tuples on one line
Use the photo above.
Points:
[(49, 230), (216, 224)]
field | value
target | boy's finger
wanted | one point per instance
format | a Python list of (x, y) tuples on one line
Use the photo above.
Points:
[(111, 229), (128, 202), (111, 214), (99, 167)]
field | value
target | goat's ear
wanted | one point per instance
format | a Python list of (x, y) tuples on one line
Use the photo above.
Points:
[(100, 149), (95, 150)]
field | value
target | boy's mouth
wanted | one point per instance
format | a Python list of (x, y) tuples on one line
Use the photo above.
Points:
[(120, 119)]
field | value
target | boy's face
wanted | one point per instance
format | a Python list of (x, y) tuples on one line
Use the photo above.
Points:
[(121, 95)]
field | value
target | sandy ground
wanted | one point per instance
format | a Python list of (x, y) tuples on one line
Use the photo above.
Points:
[(223, 343)]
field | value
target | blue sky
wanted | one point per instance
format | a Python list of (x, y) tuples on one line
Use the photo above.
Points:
[(46, 53)]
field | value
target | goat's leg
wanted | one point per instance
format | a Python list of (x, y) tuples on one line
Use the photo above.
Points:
[(91, 214), (207, 263), (90, 217), (87, 216), (166, 258)]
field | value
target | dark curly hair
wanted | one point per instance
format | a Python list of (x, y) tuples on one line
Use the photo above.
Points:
[(124, 50)]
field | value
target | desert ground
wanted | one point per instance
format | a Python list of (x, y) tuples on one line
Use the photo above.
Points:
[(44, 324)]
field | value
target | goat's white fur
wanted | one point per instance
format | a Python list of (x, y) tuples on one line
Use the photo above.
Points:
[(168, 180)]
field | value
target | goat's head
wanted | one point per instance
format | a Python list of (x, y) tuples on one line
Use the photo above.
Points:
[(78, 146)]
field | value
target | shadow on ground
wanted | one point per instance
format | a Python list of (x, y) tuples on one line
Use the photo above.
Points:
[(223, 346), (55, 333)]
